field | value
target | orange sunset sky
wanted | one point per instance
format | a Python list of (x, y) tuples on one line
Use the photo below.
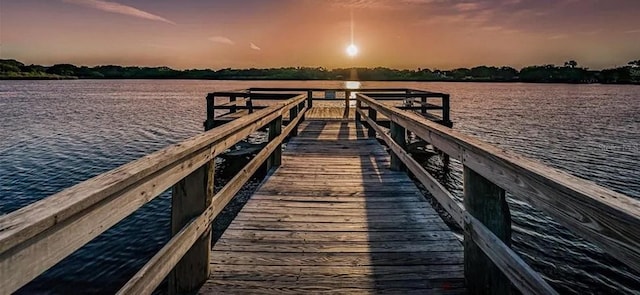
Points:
[(273, 33)]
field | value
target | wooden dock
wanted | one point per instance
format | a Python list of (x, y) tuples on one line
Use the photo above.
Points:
[(334, 218), (337, 212)]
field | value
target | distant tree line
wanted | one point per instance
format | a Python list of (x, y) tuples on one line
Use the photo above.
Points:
[(570, 72)]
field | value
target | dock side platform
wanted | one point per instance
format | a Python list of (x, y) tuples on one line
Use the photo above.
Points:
[(333, 218)]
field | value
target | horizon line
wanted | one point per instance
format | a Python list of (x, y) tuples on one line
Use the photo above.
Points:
[(314, 67)]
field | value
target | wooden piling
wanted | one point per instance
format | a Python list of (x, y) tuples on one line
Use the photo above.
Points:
[(275, 129), (211, 109), (486, 202), (446, 108), (347, 102), (249, 105), (373, 115), (190, 197), (234, 107), (293, 113), (300, 108), (398, 134)]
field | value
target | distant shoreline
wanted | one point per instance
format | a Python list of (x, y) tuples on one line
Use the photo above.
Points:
[(570, 73), (276, 79)]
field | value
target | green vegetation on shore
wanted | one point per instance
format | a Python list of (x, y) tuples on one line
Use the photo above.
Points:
[(570, 72)]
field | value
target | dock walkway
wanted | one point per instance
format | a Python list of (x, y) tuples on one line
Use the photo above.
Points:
[(337, 212), (334, 218)]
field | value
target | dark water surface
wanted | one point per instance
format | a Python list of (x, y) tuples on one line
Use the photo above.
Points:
[(54, 134)]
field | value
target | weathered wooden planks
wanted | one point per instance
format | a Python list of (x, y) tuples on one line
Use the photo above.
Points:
[(151, 275), (36, 237), (606, 218), (335, 218)]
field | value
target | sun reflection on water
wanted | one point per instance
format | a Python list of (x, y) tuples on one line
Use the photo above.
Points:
[(352, 84)]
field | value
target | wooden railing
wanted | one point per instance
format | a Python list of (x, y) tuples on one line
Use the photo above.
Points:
[(229, 102), (604, 217), (36, 237)]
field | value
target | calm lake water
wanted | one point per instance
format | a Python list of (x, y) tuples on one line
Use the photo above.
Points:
[(54, 134)]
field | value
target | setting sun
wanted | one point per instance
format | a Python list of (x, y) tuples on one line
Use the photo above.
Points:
[(352, 50)]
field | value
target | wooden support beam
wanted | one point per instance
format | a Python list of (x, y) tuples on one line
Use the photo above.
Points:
[(152, 273), (487, 203), (275, 129), (446, 109), (190, 197), (232, 100), (606, 218), (358, 109), (300, 108), (521, 275), (373, 115), (250, 106), (347, 104), (398, 134), (436, 189), (293, 113), (310, 98), (211, 110)]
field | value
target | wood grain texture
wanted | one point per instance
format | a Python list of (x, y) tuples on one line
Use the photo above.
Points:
[(198, 228), (521, 275), (487, 203), (36, 237), (334, 218), (608, 219), (439, 192), (398, 134), (275, 129), (190, 197)]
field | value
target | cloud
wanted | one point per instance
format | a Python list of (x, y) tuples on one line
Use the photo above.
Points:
[(222, 39), (254, 47), (119, 9), (469, 6), (592, 32), (632, 31), (558, 37), (386, 4)]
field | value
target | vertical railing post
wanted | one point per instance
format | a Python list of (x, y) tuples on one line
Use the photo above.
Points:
[(275, 129), (190, 197), (250, 105), (398, 134), (347, 104), (310, 98), (407, 98), (211, 110), (423, 103), (358, 107), (300, 107), (446, 108), (487, 203), (293, 113), (373, 115), (234, 107)]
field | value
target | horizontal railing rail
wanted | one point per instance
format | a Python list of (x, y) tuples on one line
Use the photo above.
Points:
[(38, 236), (406, 98), (602, 216), (337, 89)]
